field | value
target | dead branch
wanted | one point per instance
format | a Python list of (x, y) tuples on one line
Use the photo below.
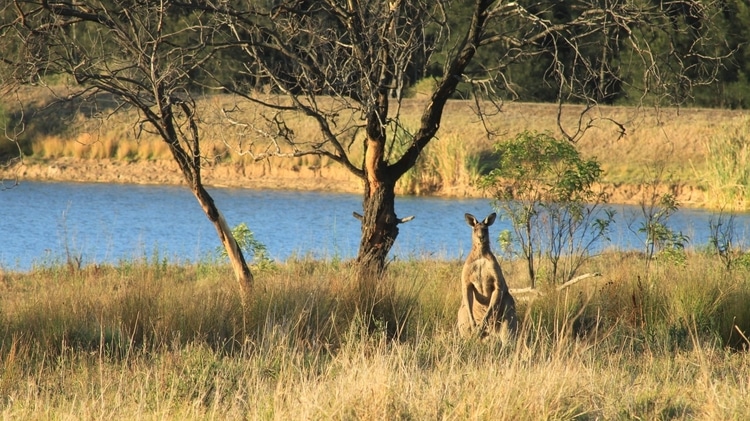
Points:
[(537, 293)]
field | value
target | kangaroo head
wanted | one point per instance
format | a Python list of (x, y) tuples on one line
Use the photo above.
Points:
[(480, 230)]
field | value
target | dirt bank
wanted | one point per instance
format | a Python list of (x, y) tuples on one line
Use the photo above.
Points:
[(165, 172)]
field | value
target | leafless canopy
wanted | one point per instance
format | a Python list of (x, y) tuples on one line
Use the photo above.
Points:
[(341, 63), (346, 64)]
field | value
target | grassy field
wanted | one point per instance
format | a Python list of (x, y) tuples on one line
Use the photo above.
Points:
[(698, 151), (155, 340), (151, 339)]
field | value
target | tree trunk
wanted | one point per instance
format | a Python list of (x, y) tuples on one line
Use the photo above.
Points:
[(530, 254), (379, 222), (379, 229), (190, 165), (241, 270)]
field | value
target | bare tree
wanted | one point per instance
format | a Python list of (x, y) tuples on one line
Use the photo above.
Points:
[(125, 54), (344, 66)]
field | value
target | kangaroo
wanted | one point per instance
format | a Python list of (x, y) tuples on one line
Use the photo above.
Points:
[(486, 303)]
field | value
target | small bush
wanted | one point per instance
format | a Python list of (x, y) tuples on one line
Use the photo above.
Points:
[(546, 189)]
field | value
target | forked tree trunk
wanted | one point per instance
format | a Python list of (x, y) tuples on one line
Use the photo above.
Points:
[(379, 221)]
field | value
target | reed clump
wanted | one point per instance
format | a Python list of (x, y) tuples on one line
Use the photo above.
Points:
[(154, 339)]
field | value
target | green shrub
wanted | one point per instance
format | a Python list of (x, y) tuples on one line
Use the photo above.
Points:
[(546, 189)]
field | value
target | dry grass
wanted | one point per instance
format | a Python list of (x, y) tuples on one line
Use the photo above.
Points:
[(154, 340), (674, 147)]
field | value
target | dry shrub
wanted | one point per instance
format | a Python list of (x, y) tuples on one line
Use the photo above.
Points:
[(153, 149), (216, 152), (727, 174), (103, 148), (87, 146), (126, 150), (76, 149), (49, 147)]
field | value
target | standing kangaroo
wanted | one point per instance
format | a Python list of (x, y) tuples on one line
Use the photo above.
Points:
[(485, 300)]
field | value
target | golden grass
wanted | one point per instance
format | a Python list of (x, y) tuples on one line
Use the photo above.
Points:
[(674, 136), (674, 147), (154, 340)]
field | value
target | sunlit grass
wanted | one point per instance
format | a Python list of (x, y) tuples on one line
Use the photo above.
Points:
[(679, 147), (150, 339)]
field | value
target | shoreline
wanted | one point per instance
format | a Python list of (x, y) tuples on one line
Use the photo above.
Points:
[(267, 177)]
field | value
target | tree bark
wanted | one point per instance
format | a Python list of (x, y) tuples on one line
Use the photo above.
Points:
[(379, 222), (241, 271), (379, 229)]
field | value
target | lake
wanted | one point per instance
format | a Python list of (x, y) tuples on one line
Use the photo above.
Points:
[(106, 223)]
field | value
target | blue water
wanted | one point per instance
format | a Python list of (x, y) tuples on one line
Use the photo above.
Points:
[(40, 223)]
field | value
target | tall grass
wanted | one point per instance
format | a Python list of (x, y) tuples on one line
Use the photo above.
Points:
[(155, 340), (446, 164), (728, 167)]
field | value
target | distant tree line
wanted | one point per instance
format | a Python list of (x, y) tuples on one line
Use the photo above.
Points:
[(529, 80), (530, 77)]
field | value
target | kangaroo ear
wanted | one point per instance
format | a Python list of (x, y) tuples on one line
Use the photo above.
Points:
[(490, 219), (470, 219)]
